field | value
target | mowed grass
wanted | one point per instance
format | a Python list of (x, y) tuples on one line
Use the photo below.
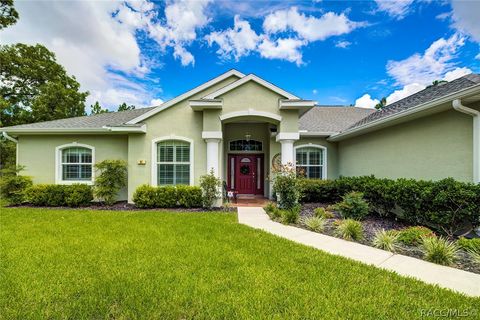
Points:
[(82, 264)]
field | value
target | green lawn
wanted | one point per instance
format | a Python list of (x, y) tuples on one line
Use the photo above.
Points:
[(157, 265)]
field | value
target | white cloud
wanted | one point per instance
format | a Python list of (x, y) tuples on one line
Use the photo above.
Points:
[(314, 91), (404, 92), (183, 19), (235, 42), (310, 27), (366, 101), (477, 56), (456, 73), (426, 67), (285, 49), (343, 44), (398, 9), (156, 102), (465, 16)]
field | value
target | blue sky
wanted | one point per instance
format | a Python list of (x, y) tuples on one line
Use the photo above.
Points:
[(334, 52)]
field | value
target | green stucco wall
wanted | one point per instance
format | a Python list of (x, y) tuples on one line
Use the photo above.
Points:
[(433, 147), (37, 153)]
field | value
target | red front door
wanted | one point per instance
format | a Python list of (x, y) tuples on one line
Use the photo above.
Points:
[(246, 174)]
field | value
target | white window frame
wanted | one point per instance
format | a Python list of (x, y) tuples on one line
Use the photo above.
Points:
[(311, 145), (154, 169), (59, 166)]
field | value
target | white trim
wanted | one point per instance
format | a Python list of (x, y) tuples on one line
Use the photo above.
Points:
[(104, 129), (186, 95), (250, 77), (212, 135), (251, 112), (311, 145), (153, 177), (199, 105), (6, 136), (58, 164), (296, 104), (305, 133), (422, 107), (287, 136), (142, 128)]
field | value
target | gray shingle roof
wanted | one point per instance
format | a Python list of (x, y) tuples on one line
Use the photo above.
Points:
[(87, 122), (331, 118), (426, 95)]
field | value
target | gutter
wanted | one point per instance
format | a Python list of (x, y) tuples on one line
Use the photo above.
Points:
[(421, 107), (458, 106), (6, 136)]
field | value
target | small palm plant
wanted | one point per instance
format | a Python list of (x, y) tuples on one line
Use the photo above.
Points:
[(386, 240), (316, 224), (350, 229), (439, 250)]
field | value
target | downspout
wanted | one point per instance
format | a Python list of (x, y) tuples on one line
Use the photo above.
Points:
[(457, 105), (6, 136)]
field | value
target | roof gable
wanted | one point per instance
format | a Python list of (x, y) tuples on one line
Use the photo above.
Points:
[(186, 95), (243, 80)]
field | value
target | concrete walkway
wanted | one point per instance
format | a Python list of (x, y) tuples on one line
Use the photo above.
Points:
[(451, 278)]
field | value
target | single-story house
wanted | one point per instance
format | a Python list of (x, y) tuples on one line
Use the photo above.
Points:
[(240, 126)]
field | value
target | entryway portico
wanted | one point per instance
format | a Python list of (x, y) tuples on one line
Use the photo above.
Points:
[(247, 126)]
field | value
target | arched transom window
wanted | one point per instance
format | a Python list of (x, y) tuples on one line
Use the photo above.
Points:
[(245, 145), (310, 162), (173, 162), (76, 164)]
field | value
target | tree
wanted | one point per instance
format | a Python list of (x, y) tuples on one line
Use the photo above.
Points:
[(381, 104), (125, 107), (8, 14), (35, 87), (96, 108)]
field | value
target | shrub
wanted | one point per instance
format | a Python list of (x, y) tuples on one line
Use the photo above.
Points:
[(352, 206), (167, 197), (414, 235), (55, 195), (288, 216), (472, 246), (439, 250), (386, 240), (316, 190), (285, 187), (78, 195), (13, 185), (112, 178), (210, 185), (323, 213), (316, 224), (350, 229), (189, 196), (145, 197), (270, 207)]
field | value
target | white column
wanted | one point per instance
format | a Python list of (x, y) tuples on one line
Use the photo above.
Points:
[(287, 151), (287, 139), (212, 155)]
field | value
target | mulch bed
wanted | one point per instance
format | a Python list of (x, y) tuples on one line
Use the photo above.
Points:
[(374, 223), (125, 206)]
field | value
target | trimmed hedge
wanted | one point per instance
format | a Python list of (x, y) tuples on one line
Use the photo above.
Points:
[(445, 205), (54, 195), (167, 197)]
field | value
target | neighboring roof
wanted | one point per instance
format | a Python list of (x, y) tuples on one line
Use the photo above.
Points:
[(331, 119), (97, 121), (250, 77), (421, 97), (187, 95)]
